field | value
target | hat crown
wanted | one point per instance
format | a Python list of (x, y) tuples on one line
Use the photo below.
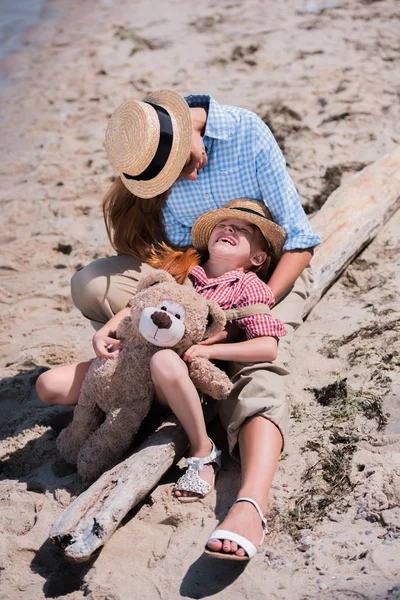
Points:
[(138, 142), (132, 137)]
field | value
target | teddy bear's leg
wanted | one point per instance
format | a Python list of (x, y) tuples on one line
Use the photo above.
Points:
[(106, 445), (87, 418), (209, 379)]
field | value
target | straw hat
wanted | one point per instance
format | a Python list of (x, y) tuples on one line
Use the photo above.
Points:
[(148, 141), (245, 209)]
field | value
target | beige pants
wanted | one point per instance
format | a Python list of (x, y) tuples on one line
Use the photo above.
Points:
[(104, 287)]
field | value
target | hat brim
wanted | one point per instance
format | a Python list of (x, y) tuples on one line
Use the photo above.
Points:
[(182, 127), (204, 225)]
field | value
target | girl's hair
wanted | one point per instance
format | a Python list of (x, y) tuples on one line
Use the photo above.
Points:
[(180, 262), (133, 224), (263, 271)]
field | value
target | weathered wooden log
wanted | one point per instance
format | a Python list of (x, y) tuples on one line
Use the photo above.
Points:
[(351, 218), (348, 221), (94, 516)]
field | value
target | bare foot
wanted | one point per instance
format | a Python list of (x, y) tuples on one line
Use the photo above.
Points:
[(244, 520)]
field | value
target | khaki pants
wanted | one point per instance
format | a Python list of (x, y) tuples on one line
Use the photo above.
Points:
[(104, 287)]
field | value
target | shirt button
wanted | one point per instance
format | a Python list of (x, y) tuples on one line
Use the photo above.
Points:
[(207, 196)]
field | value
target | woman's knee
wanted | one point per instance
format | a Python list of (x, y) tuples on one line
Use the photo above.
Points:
[(88, 288), (166, 366)]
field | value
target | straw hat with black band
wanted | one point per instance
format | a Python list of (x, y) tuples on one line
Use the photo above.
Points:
[(245, 209), (148, 142)]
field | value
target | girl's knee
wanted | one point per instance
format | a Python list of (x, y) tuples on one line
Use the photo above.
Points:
[(167, 366), (44, 388)]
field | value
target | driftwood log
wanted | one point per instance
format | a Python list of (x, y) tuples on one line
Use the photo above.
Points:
[(348, 221)]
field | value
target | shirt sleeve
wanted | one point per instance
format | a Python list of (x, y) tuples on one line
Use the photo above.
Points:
[(279, 193), (256, 292), (177, 233)]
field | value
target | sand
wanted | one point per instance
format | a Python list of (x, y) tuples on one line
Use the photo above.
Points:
[(327, 83)]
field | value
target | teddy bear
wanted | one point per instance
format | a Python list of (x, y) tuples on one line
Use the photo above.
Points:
[(117, 394)]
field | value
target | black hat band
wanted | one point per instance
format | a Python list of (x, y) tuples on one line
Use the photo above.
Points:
[(164, 147), (249, 210)]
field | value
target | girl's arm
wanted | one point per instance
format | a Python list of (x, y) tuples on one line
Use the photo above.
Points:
[(290, 266), (104, 336), (262, 349)]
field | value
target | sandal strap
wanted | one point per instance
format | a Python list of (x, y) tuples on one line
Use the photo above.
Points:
[(191, 480), (258, 509), (223, 534), (213, 457)]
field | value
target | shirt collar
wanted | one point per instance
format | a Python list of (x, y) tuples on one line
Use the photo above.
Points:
[(221, 125), (199, 273)]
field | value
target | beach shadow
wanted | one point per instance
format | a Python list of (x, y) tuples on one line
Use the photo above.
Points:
[(209, 576), (29, 429), (17, 398), (61, 578), (37, 462)]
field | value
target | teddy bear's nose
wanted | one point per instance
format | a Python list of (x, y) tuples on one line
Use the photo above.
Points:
[(161, 319)]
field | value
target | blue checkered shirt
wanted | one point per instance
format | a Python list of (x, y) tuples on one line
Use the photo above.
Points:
[(244, 161)]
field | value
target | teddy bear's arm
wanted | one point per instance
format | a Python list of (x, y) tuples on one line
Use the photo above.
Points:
[(209, 379), (106, 445)]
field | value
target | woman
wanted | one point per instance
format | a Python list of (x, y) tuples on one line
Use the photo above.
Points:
[(205, 154)]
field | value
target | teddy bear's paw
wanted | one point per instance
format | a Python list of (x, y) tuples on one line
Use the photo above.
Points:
[(210, 379), (221, 389), (88, 469), (91, 465), (67, 446)]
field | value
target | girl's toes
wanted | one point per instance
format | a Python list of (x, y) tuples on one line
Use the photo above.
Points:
[(234, 547), (226, 546), (215, 545), (240, 552)]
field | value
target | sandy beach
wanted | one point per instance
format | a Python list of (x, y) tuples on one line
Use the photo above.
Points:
[(324, 76)]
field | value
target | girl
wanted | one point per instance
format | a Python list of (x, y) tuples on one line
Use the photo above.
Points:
[(237, 240)]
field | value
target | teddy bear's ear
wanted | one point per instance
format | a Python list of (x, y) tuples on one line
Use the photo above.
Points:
[(216, 320), (156, 276)]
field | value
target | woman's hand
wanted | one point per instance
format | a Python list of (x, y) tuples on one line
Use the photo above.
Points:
[(105, 346), (197, 351)]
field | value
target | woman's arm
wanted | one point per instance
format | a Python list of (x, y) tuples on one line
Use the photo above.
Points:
[(262, 349), (290, 266), (103, 338)]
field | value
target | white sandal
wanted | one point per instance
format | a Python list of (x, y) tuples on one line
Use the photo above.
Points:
[(248, 547), (191, 481)]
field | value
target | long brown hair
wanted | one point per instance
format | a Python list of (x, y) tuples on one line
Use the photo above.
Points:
[(133, 224)]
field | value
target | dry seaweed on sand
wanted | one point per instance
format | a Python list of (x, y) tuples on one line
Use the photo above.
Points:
[(364, 333), (326, 484)]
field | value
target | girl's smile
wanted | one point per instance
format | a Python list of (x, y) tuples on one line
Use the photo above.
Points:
[(234, 245)]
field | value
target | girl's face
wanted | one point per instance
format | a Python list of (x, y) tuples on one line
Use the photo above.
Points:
[(237, 242)]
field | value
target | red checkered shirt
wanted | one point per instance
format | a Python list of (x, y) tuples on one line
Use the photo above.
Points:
[(237, 289)]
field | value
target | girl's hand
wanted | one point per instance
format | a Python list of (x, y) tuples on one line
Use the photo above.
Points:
[(105, 346), (218, 337), (197, 351)]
